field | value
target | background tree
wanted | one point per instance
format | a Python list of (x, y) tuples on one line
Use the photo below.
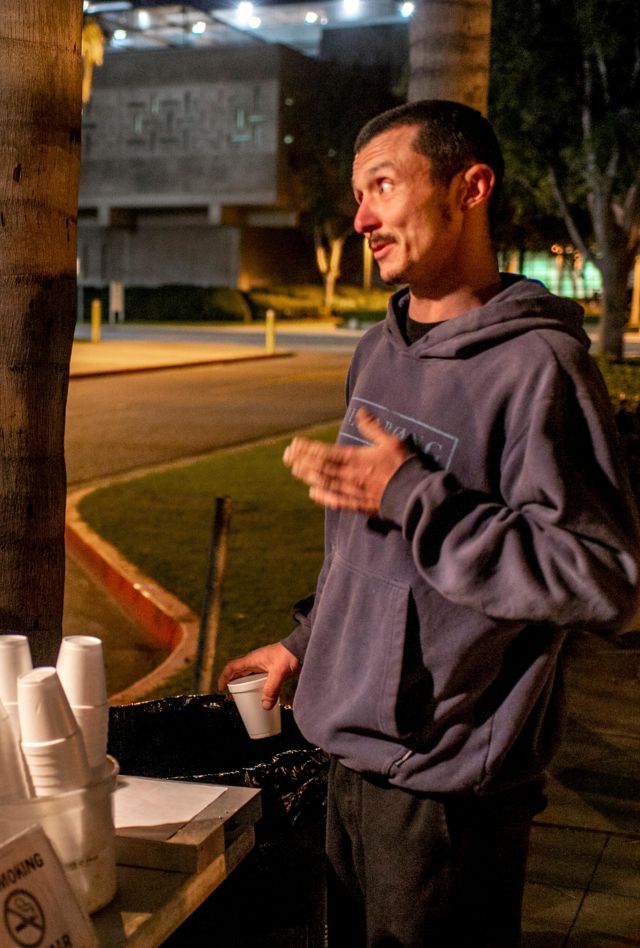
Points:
[(40, 110), (322, 122), (565, 100), (92, 53), (449, 51)]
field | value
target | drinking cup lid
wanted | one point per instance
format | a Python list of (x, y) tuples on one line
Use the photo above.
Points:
[(248, 683)]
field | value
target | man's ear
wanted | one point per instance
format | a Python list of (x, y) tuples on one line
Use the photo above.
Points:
[(478, 182)]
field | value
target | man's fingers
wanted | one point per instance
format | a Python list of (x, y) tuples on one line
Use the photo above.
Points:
[(371, 428), (340, 501), (237, 668), (315, 452), (271, 690)]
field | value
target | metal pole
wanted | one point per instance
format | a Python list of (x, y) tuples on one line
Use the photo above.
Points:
[(116, 302), (203, 671)]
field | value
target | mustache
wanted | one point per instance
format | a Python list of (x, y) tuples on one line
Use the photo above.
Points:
[(377, 240)]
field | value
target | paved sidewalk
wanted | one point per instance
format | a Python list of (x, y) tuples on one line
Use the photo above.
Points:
[(583, 888), (112, 356)]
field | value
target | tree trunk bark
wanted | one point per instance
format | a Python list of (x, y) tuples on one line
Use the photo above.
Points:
[(615, 258), (615, 307), (449, 44), (40, 117), (332, 274)]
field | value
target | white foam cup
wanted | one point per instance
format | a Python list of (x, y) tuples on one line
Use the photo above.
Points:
[(79, 824), (14, 784), (15, 659), (45, 712), (94, 726), (52, 743), (247, 694), (80, 667), (57, 766)]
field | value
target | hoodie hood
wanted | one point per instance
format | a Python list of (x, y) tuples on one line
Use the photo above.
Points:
[(521, 306)]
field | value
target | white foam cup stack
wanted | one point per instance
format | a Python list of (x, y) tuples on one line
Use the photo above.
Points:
[(14, 783), (80, 667), (52, 743), (15, 659), (247, 694), (94, 727)]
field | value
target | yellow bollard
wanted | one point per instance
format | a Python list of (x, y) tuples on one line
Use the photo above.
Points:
[(270, 331), (96, 320)]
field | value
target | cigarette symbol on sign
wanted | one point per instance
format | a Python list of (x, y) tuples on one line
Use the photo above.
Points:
[(24, 919)]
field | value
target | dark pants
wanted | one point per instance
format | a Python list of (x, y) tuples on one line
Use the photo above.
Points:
[(416, 871)]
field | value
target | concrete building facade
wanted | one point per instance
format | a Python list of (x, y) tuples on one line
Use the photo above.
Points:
[(184, 169)]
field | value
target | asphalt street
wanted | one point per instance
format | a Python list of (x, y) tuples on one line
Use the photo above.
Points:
[(122, 423)]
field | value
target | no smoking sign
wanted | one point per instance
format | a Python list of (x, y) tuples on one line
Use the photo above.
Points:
[(24, 919), (39, 907)]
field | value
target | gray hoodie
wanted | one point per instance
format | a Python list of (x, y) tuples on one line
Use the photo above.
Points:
[(430, 650)]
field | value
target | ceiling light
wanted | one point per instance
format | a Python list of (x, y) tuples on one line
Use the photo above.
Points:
[(254, 22), (144, 20), (311, 17), (199, 27), (245, 11), (109, 6), (406, 9), (119, 34), (351, 7)]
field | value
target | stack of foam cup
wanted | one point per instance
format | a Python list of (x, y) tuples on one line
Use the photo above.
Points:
[(14, 780), (80, 667), (15, 659), (52, 744)]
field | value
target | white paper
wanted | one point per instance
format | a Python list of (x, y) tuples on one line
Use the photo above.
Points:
[(154, 809)]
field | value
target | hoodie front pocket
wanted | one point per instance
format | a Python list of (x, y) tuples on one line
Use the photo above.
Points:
[(355, 657)]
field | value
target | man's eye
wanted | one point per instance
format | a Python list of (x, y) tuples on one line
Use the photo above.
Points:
[(385, 186)]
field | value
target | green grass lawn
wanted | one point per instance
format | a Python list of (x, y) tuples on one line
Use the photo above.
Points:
[(162, 523)]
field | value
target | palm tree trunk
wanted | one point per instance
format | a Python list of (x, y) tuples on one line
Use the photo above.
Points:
[(449, 51), (40, 115)]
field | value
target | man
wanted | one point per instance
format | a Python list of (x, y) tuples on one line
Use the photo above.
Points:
[(476, 511)]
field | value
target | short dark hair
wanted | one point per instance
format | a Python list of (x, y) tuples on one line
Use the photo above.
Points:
[(451, 135)]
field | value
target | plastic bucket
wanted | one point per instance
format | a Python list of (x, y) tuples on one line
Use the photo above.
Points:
[(79, 824)]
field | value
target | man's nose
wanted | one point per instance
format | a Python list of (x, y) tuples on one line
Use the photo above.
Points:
[(365, 220)]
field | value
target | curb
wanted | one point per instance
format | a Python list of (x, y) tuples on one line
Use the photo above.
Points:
[(165, 619), (135, 370)]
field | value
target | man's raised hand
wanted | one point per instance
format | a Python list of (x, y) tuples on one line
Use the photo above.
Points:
[(343, 477)]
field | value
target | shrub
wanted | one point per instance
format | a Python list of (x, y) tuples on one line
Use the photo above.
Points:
[(176, 303)]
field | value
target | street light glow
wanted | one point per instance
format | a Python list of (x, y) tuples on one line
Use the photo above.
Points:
[(311, 17), (199, 27), (407, 9)]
